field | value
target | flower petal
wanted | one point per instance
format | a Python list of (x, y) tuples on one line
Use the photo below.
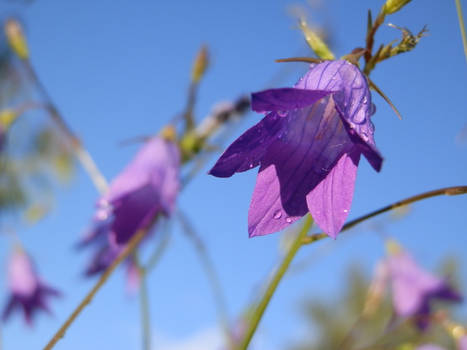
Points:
[(329, 202), (353, 101), (285, 99), (413, 287), (247, 151), (294, 164), (133, 212), (155, 159), (267, 214), (12, 304)]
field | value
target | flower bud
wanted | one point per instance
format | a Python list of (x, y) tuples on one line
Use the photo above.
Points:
[(315, 42), (7, 117), (392, 6), (169, 133), (16, 39), (200, 64), (392, 247)]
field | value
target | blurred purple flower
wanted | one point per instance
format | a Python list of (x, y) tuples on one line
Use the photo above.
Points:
[(462, 343), (429, 347), (28, 292), (104, 252), (414, 289), (308, 148), (148, 186)]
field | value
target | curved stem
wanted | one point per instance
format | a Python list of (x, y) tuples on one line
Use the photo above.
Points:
[(272, 286), (462, 26), (81, 153), (210, 271), (159, 251), (130, 247), (446, 191)]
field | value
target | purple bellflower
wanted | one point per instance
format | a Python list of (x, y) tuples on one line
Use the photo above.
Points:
[(28, 292), (462, 342), (308, 147), (147, 187), (414, 289), (429, 347)]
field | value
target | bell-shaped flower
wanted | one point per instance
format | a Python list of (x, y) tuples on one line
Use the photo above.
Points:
[(147, 187), (27, 291), (308, 148), (414, 289)]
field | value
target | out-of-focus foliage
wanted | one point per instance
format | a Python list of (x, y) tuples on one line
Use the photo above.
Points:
[(34, 155), (339, 324)]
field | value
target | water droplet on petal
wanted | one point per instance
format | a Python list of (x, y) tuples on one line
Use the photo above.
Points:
[(365, 136), (365, 100), (346, 211), (251, 165), (282, 113), (289, 220), (277, 214)]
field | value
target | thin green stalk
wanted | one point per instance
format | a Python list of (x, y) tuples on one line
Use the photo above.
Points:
[(130, 247), (462, 25), (145, 315), (446, 191), (208, 267), (272, 286), (158, 252), (80, 151)]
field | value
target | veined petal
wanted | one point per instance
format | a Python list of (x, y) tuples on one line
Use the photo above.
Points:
[(294, 164), (267, 214), (353, 101), (247, 151), (285, 99), (329, 202)]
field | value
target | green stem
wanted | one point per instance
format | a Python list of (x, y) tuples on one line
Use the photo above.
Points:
[(80, 151), (447, 191), (145, 316), (158, 252), (130, 247), (210, 271), (272, 286), (462, 26)]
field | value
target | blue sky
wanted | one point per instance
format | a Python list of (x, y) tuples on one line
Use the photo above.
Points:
[(119, 69)]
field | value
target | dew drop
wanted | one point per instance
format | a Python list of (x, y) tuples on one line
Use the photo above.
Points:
[(289, 220), (282, 113), (346, 211), (277, 214), (251, 165), (365, 100)]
